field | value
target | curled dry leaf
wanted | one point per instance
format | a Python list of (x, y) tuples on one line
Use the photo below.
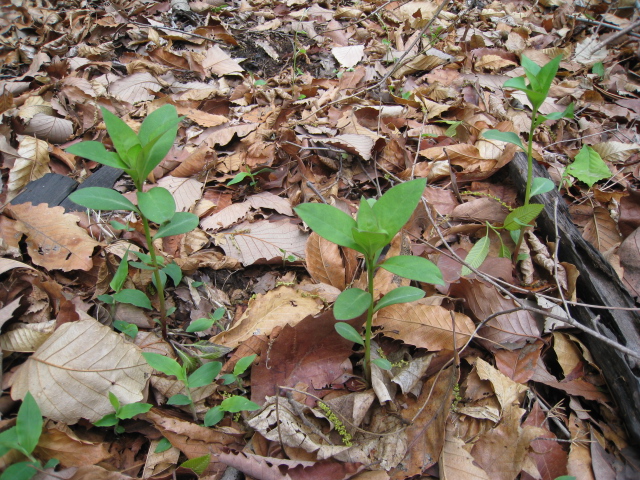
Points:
[(32, 163), (324, 262), (60, 442), (355, 144), (72, 373), (54, 240)]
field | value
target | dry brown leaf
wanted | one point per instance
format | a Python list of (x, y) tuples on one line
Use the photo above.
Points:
[(135, 88), (186, 191), (263, 241), (601, 230), (630, 260), (579, 463), (355, 144), (203, 119), (424, 326), (86, 472), (456, 462), (52, 129), (278, 307), (223, 134), (507, 391), (616, 152), (520, 364), (32, 163), (60, 442), (324, 262), (568, 353), (578, 387), (494, 63), (548, 455), (54, 240), (26, 337), (348, 57), (484, 300), (217, 62), (158, 463), (72, 373), (426, 61)]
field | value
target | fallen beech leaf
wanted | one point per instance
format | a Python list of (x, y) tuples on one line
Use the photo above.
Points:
[(158, 463), (276, 308), (27, 337), (72, 373), (233, 213), (348, 57), (263, 241), (31, 164), (601, 230), (546, 452), (630, 259), (60, 442), (616, 152), (53, 129), (217, 62), (355, 144), (578, 387), (186, 191), (456, 462), (135, 88), (519, 364), (324, 262), (568, 353), (507, 391), (424, 326), (86, 472), (54, 240)]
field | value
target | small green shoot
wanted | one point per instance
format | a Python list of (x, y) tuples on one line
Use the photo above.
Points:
[(122, 412), (240, 367), (138, 154), (198, 464), (202, 324), (163, 445), (377, 222), (248, 174), (24, 438)]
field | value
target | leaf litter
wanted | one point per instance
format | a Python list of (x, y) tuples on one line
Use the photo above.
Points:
[(329, 103)]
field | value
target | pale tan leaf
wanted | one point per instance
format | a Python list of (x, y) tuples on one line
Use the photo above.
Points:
[(32, 164), (217, 62), (507, 391), (158, 463), (630, 259), (60, 442), (198, 162), (33, 106), (426, 61), (272, 202), (27, 337), (324, 261), (494, 63), (7, 311), (616, 152), (226, 217), (457, 463), (203, 119), (223, 134), (348, 57), (601, 230), (186, 191), (568, 353), (356, 144), (276, 308), (263, 241), (52, 129), (7, 264), (72, 373), (135, 88), (424, 326), (54, 240), (588, 52)]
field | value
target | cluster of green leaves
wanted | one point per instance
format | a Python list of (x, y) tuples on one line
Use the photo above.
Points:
[(205, 323), (138, 154), (202, 376), (248, 174), (376, 223), (122, 412), (24, 437)]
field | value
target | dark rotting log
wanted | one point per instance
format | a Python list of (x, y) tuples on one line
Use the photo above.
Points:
[(598, 284)]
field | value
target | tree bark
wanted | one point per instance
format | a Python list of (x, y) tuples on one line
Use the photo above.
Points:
[(598, 284)]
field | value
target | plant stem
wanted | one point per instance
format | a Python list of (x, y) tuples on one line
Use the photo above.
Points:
[(370, 263), (156, 275), (527, 193)]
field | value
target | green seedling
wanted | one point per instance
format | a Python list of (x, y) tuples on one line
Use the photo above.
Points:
[(122, 412), (138, 154), (377, 222), (242, 175), (198, 465), (536, 87), (24, 438), (202, 324), (201, 377), (239, 368)]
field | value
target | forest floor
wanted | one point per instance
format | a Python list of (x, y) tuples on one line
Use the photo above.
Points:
[(326, 103)]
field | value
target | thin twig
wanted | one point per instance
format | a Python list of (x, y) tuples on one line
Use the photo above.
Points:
[(599, 23), (616, 36)]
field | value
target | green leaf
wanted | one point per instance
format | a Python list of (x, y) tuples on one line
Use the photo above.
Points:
[(200, 325), (121, 274), (158, 205), (548, 73), (129, 329), (96, 152), (107, 421), (532, 70), (198, 465), (517, 83), (504, 250), (383, 363), (133, 409), (414, 268), (179, 399), (181, 222), (508, 137), (218, 314), (351, 303), (237, 404), (173, 270), (204, 375), (108, 299), (99, 198), (163, 446), (20, 471), (156, 149), (370, 242), (228, 378), (347, 331), (133, 297), (213, 416), (541, 185), (238, 178), (395, 207), (399, 295), (157, 123), (258, 83), (116, 225), (522, 216), (566, 477), (29, 424), (598, 69), (242, 364), (366, 219), (166, 365), (113, 400), (476, 255), (8, 440), (330, 223), (121, 134), (588, 167)]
